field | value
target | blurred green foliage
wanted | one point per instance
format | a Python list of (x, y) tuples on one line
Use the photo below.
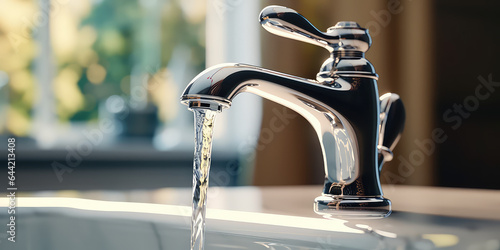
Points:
[(119, 25)]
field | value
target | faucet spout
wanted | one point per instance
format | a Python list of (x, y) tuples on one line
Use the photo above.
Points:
[(341, 104), (344, 114)]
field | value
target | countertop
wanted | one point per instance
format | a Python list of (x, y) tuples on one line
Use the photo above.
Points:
[(298, 200)]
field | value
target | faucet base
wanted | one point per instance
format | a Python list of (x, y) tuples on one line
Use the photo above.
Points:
[(347, 206)]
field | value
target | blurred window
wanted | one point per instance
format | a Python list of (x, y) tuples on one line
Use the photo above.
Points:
[(68, 66), (111, 71)]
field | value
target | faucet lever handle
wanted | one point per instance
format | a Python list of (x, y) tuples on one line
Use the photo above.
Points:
[(392, 122), (286, 22)]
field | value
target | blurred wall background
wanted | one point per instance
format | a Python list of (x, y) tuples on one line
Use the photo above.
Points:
[(441, 57)]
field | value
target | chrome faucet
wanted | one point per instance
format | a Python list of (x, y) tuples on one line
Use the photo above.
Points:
[(342, 105)]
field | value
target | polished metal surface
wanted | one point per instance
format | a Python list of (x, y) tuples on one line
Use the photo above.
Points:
[(392, 122), (344, 36), (342, 105), (328, 108)]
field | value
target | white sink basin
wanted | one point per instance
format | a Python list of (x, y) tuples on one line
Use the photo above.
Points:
[(69, 223), (55, 223)]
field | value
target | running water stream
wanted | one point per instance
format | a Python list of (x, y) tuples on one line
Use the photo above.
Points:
[(203, 122)]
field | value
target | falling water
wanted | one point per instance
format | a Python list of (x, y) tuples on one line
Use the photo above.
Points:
[(203, 121)]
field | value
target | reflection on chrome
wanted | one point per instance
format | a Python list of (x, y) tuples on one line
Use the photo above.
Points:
[(341, 104)]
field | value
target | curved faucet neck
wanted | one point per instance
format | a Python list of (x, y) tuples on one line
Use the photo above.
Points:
[(343, 114)]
